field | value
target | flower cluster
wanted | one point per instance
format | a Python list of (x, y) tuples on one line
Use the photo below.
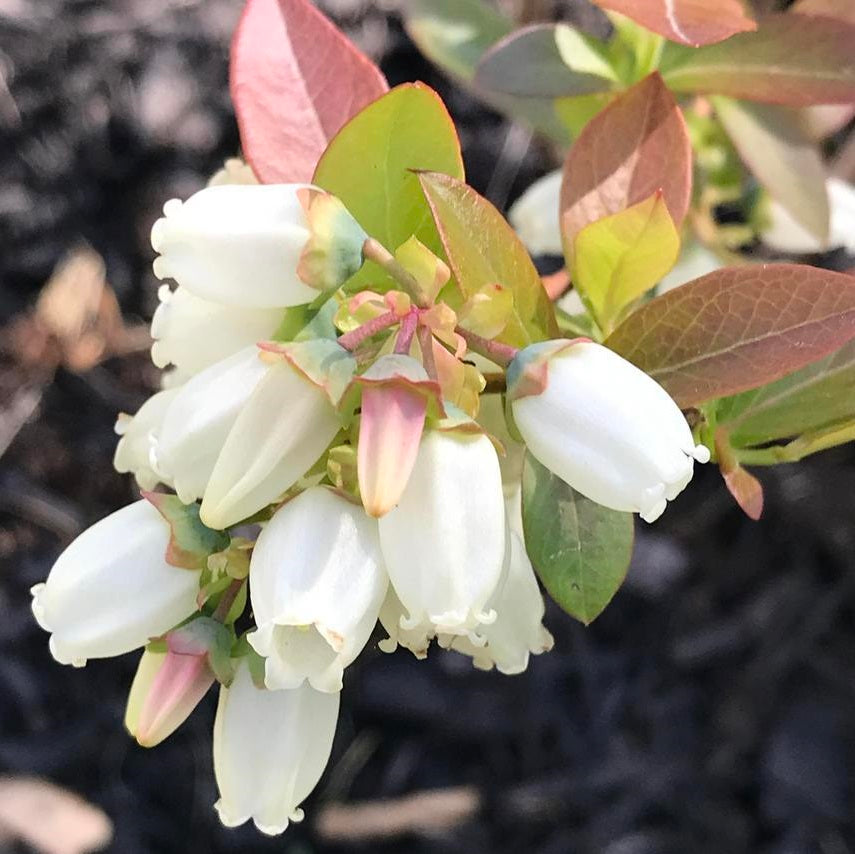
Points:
[(332, 469)]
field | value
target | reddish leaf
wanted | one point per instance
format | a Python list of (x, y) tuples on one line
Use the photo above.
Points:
[(746, 489), (795, 60), (843, 9), (295, 80), (636, 146), (738, 328), (690, 22)]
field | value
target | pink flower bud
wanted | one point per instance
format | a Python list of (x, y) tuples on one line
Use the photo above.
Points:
[(168, 697), (396, 392)]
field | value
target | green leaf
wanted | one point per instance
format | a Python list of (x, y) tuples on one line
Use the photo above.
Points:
[(546, 60), (738, 328), (620, 257), (638, 145), (579, 549), (191, 542), (369, 167), (796, 60), (455, 34), (482, 250), (773, 142), (814, 397)]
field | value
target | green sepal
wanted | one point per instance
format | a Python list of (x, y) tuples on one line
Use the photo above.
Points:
[(190, 542)]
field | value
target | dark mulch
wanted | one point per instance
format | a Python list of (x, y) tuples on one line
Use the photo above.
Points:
[(710, 709)]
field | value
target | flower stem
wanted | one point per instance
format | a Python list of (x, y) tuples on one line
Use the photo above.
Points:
[(227, 600), (426, 343), (495, 351), (351, 340), (406, 333), (375, 251)]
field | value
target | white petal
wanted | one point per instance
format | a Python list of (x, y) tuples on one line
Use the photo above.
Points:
[(317, 583), (199, 419), (609, 430), (137, 432), (445, 541), (281, 431), (534, 215), (194, 333), (112, 590), (270, 749), (392, 613), (237, 245), (518, 630)]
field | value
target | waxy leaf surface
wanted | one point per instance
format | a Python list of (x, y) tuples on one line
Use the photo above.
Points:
[(814, 397), (689, 22), (580, 550), (620, 257), (482, 250), (546, 60), (796, 60), (738, 328), (295, 80), (369, 167), (638, 145), (774, 143)]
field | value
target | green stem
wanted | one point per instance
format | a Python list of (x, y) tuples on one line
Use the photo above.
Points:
[(495, 351), (375, 251), (227, 600)]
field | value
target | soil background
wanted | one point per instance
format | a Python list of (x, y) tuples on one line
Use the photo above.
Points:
[(710, 710)]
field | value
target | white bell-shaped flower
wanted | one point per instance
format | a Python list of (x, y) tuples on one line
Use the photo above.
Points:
[(270, 749), (282, 429), (199, 418), (137, 437), (535, 215), (392, 614), (112, 590), (194, 333), (236, 244), (602, 425), (518, 630), (317, 582), (444, 543)]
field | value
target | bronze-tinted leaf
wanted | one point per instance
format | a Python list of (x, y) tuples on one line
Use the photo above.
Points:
[(738, 328), (796, 60), (483, 250), (638, 145), (689, 22)]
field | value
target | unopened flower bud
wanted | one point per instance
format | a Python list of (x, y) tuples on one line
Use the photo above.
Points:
[(237, 245), (283, 428), (192, 333), (270, 749), (602, 425), (317, 583), (112, 590), (395, 395), (199, 418), (166, 689), (445, 541)]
